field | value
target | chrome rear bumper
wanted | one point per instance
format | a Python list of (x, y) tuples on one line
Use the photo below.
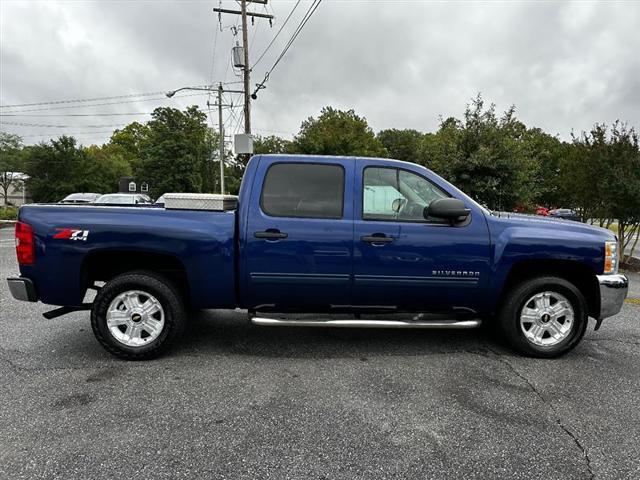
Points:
[(613, 291), (22, 289)]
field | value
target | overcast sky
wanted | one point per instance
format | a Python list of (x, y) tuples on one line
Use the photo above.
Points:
[(402, 64)]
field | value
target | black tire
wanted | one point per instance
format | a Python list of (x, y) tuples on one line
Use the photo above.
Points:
[(163, 291), (514, 302)]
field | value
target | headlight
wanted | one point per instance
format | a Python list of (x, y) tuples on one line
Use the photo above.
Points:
[(611, 257)]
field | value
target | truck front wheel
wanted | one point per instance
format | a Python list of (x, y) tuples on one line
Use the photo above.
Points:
[(137, 315), (544, 317)]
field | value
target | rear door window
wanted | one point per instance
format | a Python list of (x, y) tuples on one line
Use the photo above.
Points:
[(304, 190)]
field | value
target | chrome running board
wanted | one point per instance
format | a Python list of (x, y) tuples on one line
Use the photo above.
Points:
[(361, 323)]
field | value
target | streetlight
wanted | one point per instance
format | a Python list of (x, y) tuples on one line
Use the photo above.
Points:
[(209, 88), (219, 89)]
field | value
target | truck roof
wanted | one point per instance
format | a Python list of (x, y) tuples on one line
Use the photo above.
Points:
[(315, 158)]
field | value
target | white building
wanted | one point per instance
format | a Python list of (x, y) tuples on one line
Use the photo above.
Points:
[(17, 194)]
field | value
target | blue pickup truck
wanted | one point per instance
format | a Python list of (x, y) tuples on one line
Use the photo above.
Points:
[(357, 242)]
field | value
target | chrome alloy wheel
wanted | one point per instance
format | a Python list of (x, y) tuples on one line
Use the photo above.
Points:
[(135, 318), (547, 319)]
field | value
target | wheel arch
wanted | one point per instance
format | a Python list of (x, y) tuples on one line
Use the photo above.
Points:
[(577, 273), (103, 265)]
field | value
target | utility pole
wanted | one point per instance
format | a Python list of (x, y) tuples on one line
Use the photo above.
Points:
[(221, 142), (245, 46), (221, 139)]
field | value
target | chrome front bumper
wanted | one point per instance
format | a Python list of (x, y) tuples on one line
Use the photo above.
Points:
[(22, 289), (613, 291)]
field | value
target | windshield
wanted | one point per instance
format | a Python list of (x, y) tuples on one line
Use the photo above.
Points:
[(87, 197), (118, 199)]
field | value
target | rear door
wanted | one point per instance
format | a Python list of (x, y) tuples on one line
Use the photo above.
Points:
[(299, 239)]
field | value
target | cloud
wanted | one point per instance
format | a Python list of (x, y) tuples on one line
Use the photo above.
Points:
[(401, 64)]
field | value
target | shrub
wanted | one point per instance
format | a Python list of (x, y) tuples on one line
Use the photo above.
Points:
[(8, 213)]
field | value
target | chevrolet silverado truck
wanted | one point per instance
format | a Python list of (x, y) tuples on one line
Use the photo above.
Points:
[(325, 242)]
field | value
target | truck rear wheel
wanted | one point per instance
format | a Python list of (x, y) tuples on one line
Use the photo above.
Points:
[(137, 315), (544, 317)]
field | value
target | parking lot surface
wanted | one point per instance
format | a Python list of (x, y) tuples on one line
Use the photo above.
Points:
[(234, 400)]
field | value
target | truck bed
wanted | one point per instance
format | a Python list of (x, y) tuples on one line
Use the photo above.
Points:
[(202, 243)]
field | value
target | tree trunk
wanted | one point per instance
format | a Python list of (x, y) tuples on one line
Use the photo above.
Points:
[(621, 239), (631, 235), (633, 247), (5, 190)]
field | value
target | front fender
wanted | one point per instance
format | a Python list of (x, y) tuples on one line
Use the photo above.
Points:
[(514, 245)]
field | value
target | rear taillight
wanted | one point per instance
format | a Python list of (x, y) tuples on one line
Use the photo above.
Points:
[(25, 247)]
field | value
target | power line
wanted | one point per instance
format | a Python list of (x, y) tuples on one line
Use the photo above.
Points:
[(163, 98), (312, 8), (80, 100), (72, 114), (276, 35), (68, 134), (75, 115), (97, 99), (21, 124), (213, 56)]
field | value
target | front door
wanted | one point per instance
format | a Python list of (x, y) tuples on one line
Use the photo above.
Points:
[(406, 262), (299, 241)]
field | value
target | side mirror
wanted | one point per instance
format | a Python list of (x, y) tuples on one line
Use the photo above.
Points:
[(450, 209)]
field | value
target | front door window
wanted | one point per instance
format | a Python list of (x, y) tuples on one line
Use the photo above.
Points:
[(397, 195)]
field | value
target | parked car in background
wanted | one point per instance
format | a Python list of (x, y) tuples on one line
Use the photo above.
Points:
[(543, 211), (81, 198), (565, 213), (124, 199), (539, 210)]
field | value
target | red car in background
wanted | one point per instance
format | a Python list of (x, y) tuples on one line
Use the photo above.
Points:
[(544, 211)]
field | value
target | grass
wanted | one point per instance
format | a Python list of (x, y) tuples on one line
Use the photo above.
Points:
[(8, 213)]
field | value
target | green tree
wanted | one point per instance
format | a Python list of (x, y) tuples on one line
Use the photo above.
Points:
[(55, 169), (544, 154), (272, 144), (103, 166), (338, 132), (128, 142), (485, 156), (233, 174), (623, 186), (175, 153), (11, 164), (401, 144), (601, 175)]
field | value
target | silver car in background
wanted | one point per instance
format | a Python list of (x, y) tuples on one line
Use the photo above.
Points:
[(124, 199), (76, 198)]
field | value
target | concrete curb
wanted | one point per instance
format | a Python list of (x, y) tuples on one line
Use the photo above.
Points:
[(7, 223)]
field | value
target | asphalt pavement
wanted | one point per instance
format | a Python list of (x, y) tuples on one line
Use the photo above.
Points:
[(239, 401)]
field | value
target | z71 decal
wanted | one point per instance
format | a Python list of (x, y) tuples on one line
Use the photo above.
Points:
[(72, 234)]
